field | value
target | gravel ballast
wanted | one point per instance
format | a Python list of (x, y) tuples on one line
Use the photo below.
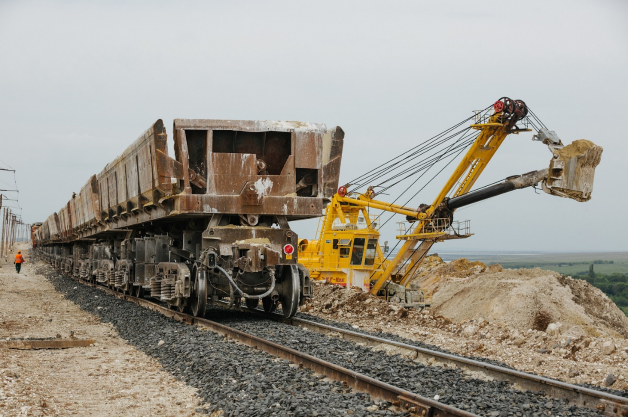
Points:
[(397, 338), (230, 376), (452, 387)]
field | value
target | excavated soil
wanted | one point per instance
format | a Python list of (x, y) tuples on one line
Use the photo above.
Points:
[(533, 320), (521, 298), (516, 297), (576, 148)]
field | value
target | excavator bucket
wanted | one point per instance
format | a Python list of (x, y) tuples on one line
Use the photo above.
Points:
[(572, 169)]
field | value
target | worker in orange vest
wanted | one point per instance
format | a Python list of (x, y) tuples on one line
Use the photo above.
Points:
[(19, 260)]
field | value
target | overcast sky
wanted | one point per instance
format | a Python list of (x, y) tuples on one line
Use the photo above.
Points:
[(79, 81)]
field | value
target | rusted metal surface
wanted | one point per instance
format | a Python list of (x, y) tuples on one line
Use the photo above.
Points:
[(45, 344), (202, 205), (245, 167), (138, 177)]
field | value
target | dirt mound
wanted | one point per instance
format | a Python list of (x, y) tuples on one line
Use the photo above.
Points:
[(596, 304), (434, 272), (525, 298), (430, 263), (519, 297)]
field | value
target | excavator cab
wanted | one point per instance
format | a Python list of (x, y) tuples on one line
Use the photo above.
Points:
[(347, 251)]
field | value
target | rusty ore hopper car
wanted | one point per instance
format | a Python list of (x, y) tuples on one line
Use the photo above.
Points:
[(210, 224)]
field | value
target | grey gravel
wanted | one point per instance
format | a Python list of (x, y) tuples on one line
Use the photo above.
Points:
[(451, 385), (243, 381), (231, 377), (396, 338)]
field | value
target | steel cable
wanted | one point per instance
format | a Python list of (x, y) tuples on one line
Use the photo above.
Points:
[(409, 155)]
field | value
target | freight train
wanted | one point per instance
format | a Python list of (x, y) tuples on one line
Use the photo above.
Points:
[(210, 225)]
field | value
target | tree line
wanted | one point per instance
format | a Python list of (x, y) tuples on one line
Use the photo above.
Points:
[(614, 285)]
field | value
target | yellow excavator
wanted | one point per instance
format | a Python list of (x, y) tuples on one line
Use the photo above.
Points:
[(347, 250)]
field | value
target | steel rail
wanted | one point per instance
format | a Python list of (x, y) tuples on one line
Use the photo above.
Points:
[(415, 404)]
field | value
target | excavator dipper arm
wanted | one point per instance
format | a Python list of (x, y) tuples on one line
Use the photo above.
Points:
[(513, 183)]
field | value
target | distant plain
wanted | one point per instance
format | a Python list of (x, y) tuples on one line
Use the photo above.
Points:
[(564, 263)]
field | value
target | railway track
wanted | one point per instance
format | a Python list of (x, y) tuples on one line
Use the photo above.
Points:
[(609, 404), (417, 405), (404, 400)]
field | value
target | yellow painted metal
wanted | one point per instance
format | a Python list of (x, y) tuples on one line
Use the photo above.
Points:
[(332, 256), (490, 138), (364, 201), (421, 236), (334, 265)]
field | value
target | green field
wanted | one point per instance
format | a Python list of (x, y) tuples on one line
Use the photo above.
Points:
[(609, 272)]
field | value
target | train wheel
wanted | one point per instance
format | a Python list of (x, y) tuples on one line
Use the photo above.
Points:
[(252, 303), (292, 291), (198, 298), (269, 305)]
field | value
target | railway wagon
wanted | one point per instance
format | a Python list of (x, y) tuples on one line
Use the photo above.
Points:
[(209, 225)]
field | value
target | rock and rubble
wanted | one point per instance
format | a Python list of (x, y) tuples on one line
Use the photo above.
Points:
[(533, 320), (525, 299)]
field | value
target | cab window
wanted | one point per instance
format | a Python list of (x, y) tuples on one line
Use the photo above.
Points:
[(345, 247), (358, 251), (371, 247)]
